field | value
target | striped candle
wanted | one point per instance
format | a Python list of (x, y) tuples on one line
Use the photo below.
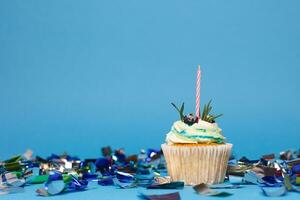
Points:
[(198, 92)]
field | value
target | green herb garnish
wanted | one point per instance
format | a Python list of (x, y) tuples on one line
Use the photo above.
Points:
[(180, 111), (206, 116), (191, 119)]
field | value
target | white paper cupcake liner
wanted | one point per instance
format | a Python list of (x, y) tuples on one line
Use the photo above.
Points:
[(197, 164)]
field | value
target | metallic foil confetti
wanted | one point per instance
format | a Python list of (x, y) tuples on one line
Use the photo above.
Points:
[(170, 196), (125, 185), (64, 173), (252, 177), (38, 179), (104, 181), (171, 185), (274, 191), (10, 190), (225, 186), (162, 180), (268, 156), (203, 189)]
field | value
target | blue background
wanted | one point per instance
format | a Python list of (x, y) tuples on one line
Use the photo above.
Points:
[(78, 75)]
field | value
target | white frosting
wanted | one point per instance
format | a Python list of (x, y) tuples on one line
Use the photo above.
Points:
[(201, 132)]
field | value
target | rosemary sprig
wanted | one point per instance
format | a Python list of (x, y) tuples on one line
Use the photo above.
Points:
[(191, 119), (180, 111), (206, 116)]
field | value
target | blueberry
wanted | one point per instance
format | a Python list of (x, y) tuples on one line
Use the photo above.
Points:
[(190, 119)]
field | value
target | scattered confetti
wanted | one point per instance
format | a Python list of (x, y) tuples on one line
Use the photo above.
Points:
[(64, 173)]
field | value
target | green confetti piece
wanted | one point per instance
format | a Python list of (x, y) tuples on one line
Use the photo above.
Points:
[(287, 182), (13, 159), (297, 181), (67, 178), (39, 179), (13, 166)]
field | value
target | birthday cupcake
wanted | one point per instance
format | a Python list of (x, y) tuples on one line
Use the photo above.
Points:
[(195, 150)]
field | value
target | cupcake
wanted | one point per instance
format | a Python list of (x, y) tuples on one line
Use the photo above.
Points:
[(195, 150)]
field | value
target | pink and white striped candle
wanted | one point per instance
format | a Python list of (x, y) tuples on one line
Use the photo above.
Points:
[(198, 92)]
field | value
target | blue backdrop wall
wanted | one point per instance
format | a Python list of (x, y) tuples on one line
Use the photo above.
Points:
[(78, 75)]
